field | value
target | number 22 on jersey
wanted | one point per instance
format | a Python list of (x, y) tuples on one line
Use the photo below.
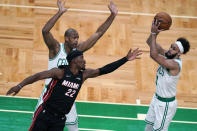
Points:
[(70, 92)]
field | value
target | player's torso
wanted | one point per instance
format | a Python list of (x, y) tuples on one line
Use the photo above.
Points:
[(64, 92), (59, 59), (165, 82)]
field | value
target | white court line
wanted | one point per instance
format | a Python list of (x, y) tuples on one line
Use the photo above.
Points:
[(94, 11), (187, 122), (29, 112), (96, 102), (107, 117), (84, 129), (19, 97)]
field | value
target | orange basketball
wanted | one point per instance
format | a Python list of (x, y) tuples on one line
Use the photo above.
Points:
[(165, 19)]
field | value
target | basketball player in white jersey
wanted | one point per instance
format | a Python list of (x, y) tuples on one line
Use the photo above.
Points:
[(58, 51), (163, 105)]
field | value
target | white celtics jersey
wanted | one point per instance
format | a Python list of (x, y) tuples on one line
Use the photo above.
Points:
[(166, 83), (59, 59)]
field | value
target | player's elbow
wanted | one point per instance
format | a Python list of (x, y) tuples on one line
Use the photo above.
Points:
[(99, 33), (44, 31), (153, 55), (148, 41)]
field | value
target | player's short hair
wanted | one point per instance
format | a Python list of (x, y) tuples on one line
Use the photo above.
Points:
[(185, 43), (73, 54), (69, 31)]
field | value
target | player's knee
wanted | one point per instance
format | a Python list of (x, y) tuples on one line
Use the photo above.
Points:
[(72, 127), (148, 127)]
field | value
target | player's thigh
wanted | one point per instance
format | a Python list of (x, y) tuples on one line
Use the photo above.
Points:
[(39, 124), (150, 116), (148, 127), (72, 117), (57, 126), (73, 127), (171, 113), (164, 112)]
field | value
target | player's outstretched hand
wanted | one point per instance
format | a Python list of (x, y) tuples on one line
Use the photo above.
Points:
[(155, 27), (61, 7), (134, 54), (112, 7), (14, 90)]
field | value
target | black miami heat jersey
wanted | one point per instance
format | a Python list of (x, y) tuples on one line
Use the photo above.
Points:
[(62, 93)]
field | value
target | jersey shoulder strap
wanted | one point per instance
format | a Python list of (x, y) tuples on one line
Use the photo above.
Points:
[(179, 61)]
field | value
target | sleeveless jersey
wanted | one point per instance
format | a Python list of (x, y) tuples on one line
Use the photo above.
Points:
[(62, 93), (60, 59), (166, 83)]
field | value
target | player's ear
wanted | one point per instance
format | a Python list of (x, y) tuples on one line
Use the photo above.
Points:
[(179, 54), (66, 38)]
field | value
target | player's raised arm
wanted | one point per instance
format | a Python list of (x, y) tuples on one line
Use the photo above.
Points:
[(50, 41), (90, 73), (55, 73), (159, 48), (149, 40), (154, 53), (85, 45)]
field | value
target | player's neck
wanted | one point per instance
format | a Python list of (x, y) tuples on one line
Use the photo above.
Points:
[(66, 48), (177, 57), (74, 69)]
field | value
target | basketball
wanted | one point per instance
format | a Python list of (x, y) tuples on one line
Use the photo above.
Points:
[(165, 19)]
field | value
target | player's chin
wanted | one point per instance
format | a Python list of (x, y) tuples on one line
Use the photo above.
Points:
[(168, 53), (75, 45), (83, 67)]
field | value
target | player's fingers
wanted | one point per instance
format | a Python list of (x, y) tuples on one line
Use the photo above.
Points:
[(161, 30), (136, 50), (158, 24), (137, 57), (15, 93), (130, 50), (9, 92), (155, 23), (139, 54), (64, 3), (59, 1)]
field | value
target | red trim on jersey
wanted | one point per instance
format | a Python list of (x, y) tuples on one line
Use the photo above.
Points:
[(49, 91), (45, 97), (37, 112)]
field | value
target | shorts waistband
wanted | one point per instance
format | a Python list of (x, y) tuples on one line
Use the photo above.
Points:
[(164, 99)]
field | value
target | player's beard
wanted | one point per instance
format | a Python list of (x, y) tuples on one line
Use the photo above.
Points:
[(82, 69), (170, 56)]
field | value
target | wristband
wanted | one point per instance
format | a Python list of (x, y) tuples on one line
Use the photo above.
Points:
[(19, 86), (153, 33)]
